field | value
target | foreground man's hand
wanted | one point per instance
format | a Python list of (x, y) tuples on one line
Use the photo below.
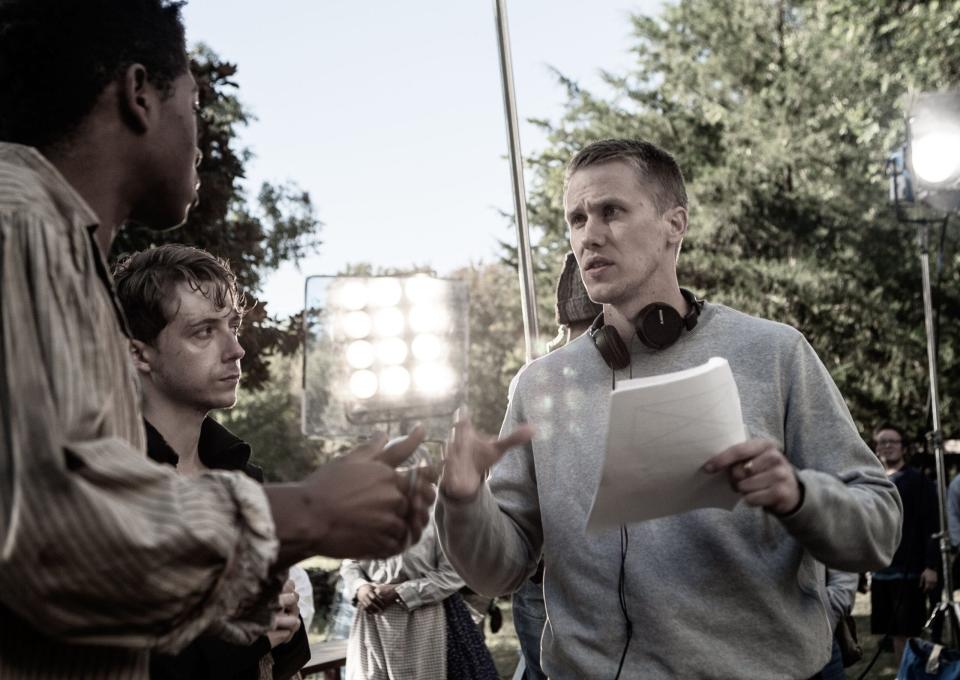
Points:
[(760, 473), (287, 622), (469, 454), (357, 506)]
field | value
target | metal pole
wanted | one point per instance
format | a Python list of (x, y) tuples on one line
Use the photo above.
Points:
[(946, 607), (528, 295)]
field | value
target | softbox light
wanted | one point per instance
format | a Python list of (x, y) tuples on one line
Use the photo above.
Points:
[(933, 143), (383, 353)]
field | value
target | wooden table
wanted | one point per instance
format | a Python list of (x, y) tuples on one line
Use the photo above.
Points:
[(327, 658)]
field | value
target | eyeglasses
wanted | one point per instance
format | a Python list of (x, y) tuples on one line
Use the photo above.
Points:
[(887, 442)]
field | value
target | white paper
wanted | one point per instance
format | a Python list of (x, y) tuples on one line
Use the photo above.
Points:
[(662, 430)]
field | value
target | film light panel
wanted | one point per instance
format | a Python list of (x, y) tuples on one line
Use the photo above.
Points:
[(383, 349)]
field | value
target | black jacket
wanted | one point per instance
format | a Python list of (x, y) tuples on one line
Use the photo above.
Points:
[(210, 657), (918, 549)]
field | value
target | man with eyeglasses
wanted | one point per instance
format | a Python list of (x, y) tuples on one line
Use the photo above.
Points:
[(898, 595)]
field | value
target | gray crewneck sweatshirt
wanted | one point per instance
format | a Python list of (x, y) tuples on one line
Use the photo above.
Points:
[(711, 593)]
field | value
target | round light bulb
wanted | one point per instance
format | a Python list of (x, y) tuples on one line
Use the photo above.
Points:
[(429, 319), (433, 379), (363, 384), (936, 156), (353, 295), (429, 347), (385, 292), (360, 354), (394, 381), (357, 324), (389, 321), (423, 289)]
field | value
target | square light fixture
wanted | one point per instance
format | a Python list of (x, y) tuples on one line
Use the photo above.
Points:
[(383, 353)]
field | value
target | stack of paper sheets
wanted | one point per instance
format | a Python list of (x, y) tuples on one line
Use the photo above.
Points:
[(662, 430)]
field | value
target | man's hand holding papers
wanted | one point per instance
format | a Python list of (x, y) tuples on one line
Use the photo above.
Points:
[(669, 438), (662, 430), (760, 473)]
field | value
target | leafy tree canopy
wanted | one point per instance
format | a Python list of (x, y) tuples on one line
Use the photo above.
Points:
[(781, 114), (282, 227)]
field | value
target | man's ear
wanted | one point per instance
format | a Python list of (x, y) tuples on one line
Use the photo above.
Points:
[(137, 97), (143, 356), (676, 219)]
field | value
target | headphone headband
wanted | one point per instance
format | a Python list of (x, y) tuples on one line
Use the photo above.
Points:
[(658, 326)]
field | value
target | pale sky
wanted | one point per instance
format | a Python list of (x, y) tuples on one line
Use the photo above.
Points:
[(391, 115)]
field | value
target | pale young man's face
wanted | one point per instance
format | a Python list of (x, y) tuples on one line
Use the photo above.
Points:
[(620, 241), (195, 360)]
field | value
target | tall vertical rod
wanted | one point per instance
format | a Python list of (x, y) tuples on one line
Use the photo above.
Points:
[(528, 294), (923, 241)]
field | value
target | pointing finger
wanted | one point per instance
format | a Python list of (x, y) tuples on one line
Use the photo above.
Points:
[(403, 448), (368, 450)]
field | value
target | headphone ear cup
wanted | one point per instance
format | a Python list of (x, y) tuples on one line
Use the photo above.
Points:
[(659, 325), (696, 306), (611, 347)]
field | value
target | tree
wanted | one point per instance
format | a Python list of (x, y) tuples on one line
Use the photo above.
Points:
[(780, 113), (255, 241), (496, 340), (269, 420)]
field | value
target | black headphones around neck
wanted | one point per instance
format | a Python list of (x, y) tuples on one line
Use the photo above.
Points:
[(658, 326)]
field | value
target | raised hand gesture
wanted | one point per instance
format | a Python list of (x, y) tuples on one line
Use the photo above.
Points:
[(469, 455)]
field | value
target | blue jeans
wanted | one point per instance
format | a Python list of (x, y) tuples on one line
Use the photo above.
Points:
[(529, 617), (834, 668)]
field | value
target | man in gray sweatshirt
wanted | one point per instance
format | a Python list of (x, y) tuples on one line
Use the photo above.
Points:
[(709, 593)]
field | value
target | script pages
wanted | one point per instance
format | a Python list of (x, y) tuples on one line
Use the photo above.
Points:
[(662, 430)]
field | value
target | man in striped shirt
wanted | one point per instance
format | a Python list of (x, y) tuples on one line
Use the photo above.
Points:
[(103, 554)]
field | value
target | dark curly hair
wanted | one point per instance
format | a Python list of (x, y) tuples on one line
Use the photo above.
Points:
[(57, 56), (146, 280)]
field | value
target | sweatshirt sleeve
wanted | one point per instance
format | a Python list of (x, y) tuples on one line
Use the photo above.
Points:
[(494, 539), (435, 585), (851, 514), (841, 593)]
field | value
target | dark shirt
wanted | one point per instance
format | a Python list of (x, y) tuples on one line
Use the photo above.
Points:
[(207, 656), (918, 549)]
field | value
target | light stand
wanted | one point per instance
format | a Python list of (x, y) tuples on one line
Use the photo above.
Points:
[(947, 610), (902, 191), (927, 170)]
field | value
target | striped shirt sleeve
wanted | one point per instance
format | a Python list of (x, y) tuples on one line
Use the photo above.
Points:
[(97, 544)]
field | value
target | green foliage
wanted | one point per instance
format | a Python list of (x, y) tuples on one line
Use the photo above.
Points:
[(282, 228), (496, 340), (269, 420), (781, 114)]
